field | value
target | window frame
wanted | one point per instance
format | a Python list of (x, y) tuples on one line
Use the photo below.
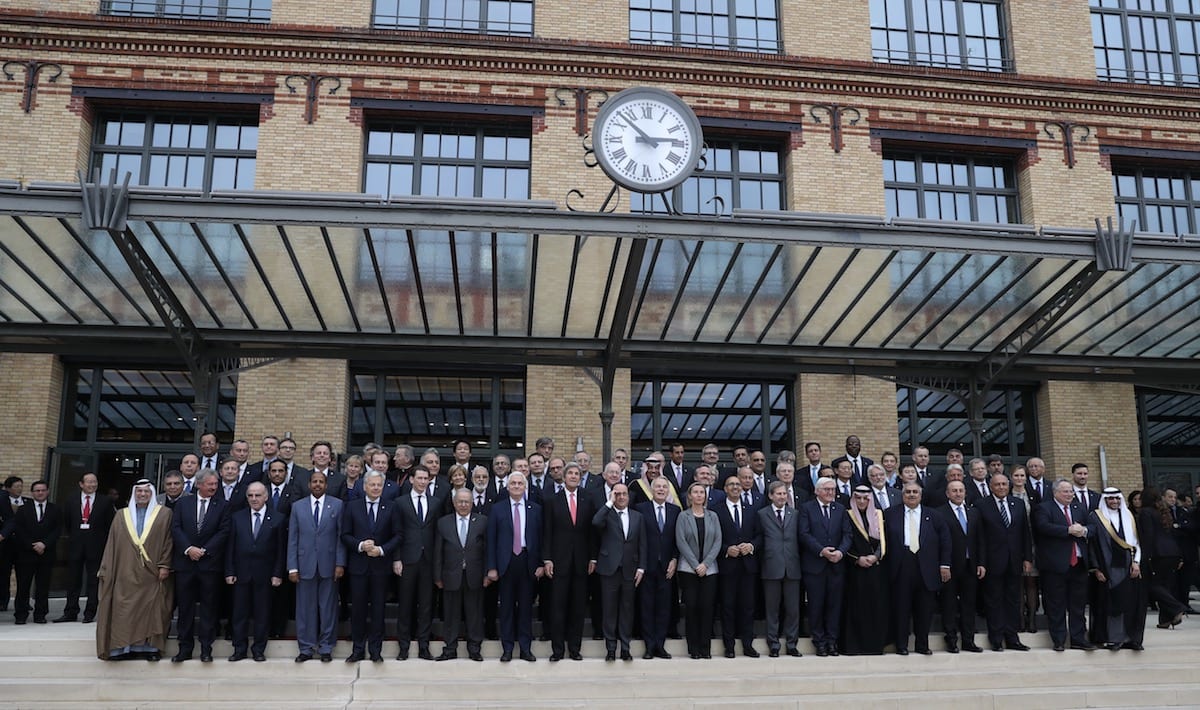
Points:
[(731, 43), (178, 9), (1128, 74), (921, 154), (1138, 171), (911, 57), (425, 22)]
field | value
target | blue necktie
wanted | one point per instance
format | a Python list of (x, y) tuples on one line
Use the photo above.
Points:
[(962, 518), (661, 521), (737, 517), (420, 509), (316, 514)]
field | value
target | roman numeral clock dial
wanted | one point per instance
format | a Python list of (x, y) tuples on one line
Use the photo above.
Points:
[(646, 139)]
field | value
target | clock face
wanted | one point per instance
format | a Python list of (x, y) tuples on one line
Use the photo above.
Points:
[(646, 139)]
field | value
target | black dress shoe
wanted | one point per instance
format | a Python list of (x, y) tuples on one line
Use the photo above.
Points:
[(446, 656), (326, 657), (259, 657), (89, 619), (354, 657), (648, 656), (19, 622), (626, 656), (42, 619), (1130, 645), (556, 657), (951, 647), (833, 649), (576, 656), (694, 656), (376, 658), (730, 654), (1085, 646), (662, 653), (425, 655), (924, 651), (971, 648), (1059, 647), (997, 647), (749, 652), (773, 653), (794, 653), (706, 656), (303, 657), (476, 656), (506, 657), (1017, 646), (154, 656), (610, 656), (64, 618), (237, 656), (181, 657), (902, 652), (822, 651), (206, 657), (528, 656)]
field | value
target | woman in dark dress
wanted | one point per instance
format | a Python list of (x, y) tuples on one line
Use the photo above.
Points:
[(865, 626), (1155, 532)]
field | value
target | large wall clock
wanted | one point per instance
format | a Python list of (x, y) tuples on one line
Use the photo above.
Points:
[(647, 139)]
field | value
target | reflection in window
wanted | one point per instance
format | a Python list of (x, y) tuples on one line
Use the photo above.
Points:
[(142, 405), (1158, 200), (754, 414), (187, 151), (229, 10), (1147, 41), (739, 174), (950, 187), (962, 34), (175, 249), (744, 25), (939, 422), (470, 259), (1172, 424), (942, 282), (446, 161), (507, 17), (428, 410)]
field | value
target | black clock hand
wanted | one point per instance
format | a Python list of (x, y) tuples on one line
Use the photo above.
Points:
[(645, 137)]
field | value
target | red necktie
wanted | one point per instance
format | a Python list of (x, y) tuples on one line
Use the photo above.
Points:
[(87, 508), (1074, 553)]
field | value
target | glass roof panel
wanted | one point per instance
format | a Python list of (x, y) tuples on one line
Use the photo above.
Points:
[(34, 287)]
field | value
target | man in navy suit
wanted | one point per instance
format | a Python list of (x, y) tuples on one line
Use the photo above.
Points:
[(229, 488), (825, 537), (514, 559), (254, 557), (417, 512), (918, 565), (34, 529), (622, 547), (858, 463), (88, 519), (281, 494), (738, 566), (959, 595), (657, 590), (1007, 553), (1061, 528), (199, 529), (316, 560), (569, 547), (371, 535)]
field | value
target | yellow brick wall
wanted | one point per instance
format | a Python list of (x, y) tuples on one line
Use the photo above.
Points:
[(1052, 38), (305, 396), (1076, 418), (596, 20), (1049, 177), (356, 13), (814, 28), (32, 388), (564, 403), (43, 144), (324, 156), (831, 407)]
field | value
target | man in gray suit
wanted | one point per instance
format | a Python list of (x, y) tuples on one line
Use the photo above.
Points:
[(458, 570), (316, 559), (885, 496), (620, 566), (779, 561)]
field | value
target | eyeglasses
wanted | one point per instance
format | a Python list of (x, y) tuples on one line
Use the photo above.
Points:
[(286, 447)]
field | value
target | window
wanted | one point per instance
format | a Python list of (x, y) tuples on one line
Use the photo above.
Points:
[(754, 414), (164, 150), (961, 34), (1171, 424), (428, 410), (744, 25), (230, 10), (1147, 41), (505, 17), (939, 422), (950, 187), (141, 405), (1158, 199)]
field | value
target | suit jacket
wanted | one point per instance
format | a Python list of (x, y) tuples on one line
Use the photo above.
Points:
[(570, 546), (25, 529), (892, 495), (934, 545), (804, 477), (691, 549), (660, 545), (1036, 498), (288, 494), (390, 490), (973, 494), (964, 547), (258, 559), (236, 501), (778, 546), (6, 509), (816, 534), (669, 472), (454, 565), (1054, 543), (256, 472), (335, 483), (416, 536), (620, 551), (314, 550), (212, 536), (1093, 499), (500, 536), (863, 463), (356, 527), (1004, 549), (90, 542), (732, 535)]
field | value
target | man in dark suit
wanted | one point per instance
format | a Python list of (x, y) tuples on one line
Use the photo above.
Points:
[(11, 501), (1061, 540), (751, 498), (926, 477), (1037, 486), (321, 455), (808, 472), (459, 551), (371, 535), (1088, 498), (1006, 553), (846, 481), (959, 595), (270, 452), (858, 462), (199, 530), (778, 546), (680, 474), (738, 568), (34, 529), (229, 489), (825, 536), (281, 494), (254, 563), (88, 518), (796, 494), (885, 496), (918, 565), (977, 483), (316, 560), (418, 513), (514, 559), (657, 590), (622, 548), (296, 473), (569, 547), (172, 489)]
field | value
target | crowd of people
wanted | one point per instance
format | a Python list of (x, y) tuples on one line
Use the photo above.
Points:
[(858, 555)]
